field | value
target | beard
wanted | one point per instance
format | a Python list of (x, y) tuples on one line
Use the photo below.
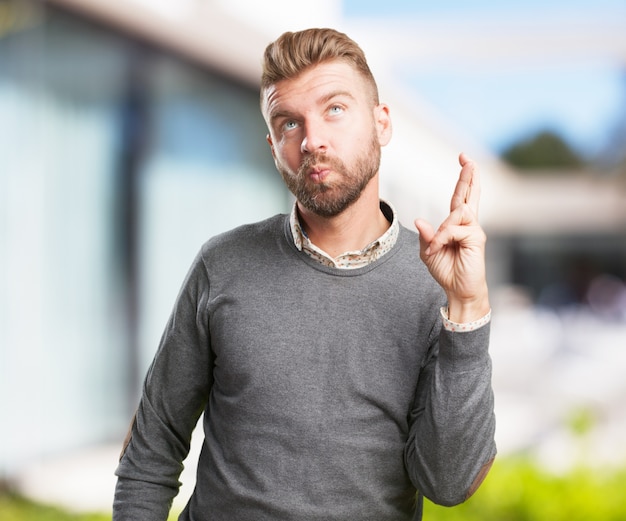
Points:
[(332, 197)]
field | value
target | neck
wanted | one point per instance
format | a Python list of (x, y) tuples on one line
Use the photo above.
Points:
[(353, 229)]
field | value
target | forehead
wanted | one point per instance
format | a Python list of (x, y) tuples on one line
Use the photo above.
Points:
[(313, 85)]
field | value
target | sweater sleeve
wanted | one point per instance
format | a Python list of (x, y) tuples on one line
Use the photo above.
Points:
[(452, 424), (174, 395)]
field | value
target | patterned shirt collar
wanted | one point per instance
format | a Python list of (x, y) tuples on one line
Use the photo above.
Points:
[(349, 259)]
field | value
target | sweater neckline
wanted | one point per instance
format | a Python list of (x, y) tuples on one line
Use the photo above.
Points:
[(342, 272)]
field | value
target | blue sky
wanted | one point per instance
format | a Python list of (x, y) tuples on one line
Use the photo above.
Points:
[(393, 7), (582, 100), (581, 103)]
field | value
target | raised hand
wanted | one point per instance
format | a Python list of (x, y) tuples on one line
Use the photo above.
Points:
[(455, 253)]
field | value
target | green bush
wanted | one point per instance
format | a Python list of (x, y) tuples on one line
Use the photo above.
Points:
[(518, 490), (515, 490), (15, 508)]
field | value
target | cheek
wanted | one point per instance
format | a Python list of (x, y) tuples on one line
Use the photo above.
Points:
[(288, 154)]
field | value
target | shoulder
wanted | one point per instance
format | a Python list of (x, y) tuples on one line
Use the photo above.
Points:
[(409, 248), (246, 238), (409, 266)]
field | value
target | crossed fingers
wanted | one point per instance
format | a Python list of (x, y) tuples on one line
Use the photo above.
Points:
[(467, 190)]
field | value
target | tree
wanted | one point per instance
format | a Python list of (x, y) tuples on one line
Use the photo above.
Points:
[(546, 150)]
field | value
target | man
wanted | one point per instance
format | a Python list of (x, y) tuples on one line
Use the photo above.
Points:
[(341, 376)]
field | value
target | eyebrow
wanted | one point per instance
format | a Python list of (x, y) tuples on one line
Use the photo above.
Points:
[(278, 114), (336, 94)]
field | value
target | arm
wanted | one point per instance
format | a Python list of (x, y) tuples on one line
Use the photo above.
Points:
[(451, 447), (451, 438), (175, 392)]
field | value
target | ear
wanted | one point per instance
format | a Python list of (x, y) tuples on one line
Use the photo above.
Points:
[(271, 144), (383, 124)]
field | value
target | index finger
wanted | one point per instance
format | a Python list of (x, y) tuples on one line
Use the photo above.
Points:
[(467, 190)]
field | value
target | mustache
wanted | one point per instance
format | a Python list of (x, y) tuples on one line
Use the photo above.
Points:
[(316, 159)]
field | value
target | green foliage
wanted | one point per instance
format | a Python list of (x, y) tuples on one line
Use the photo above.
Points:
[(15, 508), (544, 151), (581, 421), (517, 490)]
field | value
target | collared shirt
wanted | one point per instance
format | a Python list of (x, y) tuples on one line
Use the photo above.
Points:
[(371, 252), (349, 259)]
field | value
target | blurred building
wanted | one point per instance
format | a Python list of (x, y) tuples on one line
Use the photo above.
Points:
[(130, 133), (120, 156)]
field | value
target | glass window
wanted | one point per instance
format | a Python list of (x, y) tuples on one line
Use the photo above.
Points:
[(118, 160)]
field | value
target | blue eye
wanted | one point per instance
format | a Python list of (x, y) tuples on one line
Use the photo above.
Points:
[(335, 109), (290, 125)]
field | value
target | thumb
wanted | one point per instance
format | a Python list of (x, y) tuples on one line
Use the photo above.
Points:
[(425, 230), (426, 233)]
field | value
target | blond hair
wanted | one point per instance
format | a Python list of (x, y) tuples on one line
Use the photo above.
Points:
[(294, 52)]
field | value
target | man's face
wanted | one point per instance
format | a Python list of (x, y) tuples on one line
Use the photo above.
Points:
[(325, 135)]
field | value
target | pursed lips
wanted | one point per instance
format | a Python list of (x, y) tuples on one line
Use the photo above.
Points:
[(319, 173)]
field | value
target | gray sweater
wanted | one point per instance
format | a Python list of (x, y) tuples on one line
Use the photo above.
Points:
[(327, 394)]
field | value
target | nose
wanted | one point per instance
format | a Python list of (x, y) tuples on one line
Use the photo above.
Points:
[(314, 138)]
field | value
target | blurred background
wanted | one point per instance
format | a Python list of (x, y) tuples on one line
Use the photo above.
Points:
[(130, 133)]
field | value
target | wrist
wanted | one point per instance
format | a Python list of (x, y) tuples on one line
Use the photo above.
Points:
[(463, 311)]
